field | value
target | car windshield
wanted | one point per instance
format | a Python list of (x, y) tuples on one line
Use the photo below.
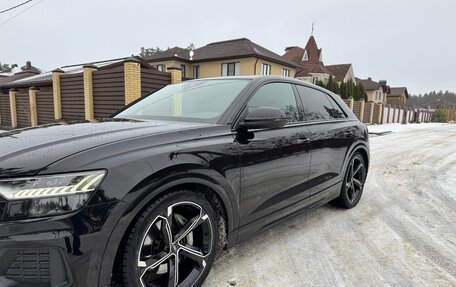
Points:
[(203, 100)]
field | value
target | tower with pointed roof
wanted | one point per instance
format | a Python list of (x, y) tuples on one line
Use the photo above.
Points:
[(312, 68)]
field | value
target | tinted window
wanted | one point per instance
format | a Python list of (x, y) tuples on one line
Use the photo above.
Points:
[(193, 99), (337, 112), (276, 95), (316, 104)]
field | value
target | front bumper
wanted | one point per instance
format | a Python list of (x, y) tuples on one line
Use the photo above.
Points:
[(58, 251)]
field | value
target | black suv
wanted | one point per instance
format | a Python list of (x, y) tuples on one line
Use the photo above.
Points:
[(147, 197)]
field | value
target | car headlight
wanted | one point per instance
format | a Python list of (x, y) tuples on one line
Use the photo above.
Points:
[(48, 195)]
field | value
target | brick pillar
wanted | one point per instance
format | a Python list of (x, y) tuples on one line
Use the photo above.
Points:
[(380, 114), (57, 93), (132, 79), (371, 115), (361, 112), (12, 97), (176, 74), (33, 110), (87, 71), (351, 103)]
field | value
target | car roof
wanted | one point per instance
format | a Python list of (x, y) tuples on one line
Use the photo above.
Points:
[(261, 78)]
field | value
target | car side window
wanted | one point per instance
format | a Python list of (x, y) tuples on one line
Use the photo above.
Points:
[(316, 104), (276, 95), (337, 112)]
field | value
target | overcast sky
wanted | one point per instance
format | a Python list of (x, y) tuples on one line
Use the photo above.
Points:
[(408, 43)]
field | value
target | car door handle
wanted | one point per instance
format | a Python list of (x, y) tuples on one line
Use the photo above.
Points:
[(303, 141)]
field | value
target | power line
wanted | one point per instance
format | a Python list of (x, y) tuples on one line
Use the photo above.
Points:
[(28, 8), (14, 7)]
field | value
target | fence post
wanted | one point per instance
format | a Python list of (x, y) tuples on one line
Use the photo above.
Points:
[(87, 71), (371, 115), (33, 110), (361, 112), (351, 103), (57, 93), (12, 96), (380, 113), (132, 78), (176, 74)]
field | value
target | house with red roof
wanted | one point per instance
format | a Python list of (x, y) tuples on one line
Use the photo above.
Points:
[(311, 67)]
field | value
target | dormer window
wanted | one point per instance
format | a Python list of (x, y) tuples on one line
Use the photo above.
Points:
[(305, 57)]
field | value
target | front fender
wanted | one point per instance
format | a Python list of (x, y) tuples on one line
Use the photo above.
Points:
[(151, 187)]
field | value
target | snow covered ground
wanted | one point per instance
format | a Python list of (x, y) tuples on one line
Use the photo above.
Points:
[(402, 233)]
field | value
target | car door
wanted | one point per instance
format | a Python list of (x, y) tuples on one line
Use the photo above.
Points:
[(331, 135), (274, 162)]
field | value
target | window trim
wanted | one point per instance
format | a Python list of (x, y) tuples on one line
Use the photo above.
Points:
[(347, 117), (269, 69), (183, 71), (227, 68), (161, 65), (197, 69), (287, 72)]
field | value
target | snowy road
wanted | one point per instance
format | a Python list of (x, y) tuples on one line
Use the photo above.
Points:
[(402, 233)]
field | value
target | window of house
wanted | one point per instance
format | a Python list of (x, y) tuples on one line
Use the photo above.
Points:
[(183, 69), (305, 57), (317, 105), (160, 67), (231, 69), (276, 95), (285, 72), (266, 69), (196, 72)]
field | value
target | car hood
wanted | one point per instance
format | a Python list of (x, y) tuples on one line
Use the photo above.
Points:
[(25, 152)]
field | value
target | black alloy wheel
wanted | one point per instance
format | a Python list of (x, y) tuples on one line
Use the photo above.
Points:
[(353, 184), (172, 243)]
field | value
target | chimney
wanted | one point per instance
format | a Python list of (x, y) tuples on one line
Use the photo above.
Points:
[(370, 79), (28, 65)]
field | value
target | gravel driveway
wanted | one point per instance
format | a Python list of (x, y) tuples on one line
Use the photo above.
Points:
[(402, 233)]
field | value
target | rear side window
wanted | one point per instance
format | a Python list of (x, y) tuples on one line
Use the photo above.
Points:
[(276, 95), (317, 105), (337, 112)]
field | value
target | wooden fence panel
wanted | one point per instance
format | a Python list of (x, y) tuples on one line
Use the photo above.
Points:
[(45, 107), (153, 80), (356, 108), (366, 117), (23, 110), (72, 92), (5, 113), (108, 91), (375, 116)]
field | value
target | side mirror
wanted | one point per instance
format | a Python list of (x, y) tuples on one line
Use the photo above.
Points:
[(265, 118)]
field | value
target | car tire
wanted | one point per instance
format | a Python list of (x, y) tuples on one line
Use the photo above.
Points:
[(353, 183), (172, 243)]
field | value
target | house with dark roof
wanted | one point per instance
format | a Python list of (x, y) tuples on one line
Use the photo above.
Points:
[(226, 58), (15, 73), (311, 67), (398, 96), (377, 92)]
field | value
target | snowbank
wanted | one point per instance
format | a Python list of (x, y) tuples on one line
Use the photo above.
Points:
[(397, 128)]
